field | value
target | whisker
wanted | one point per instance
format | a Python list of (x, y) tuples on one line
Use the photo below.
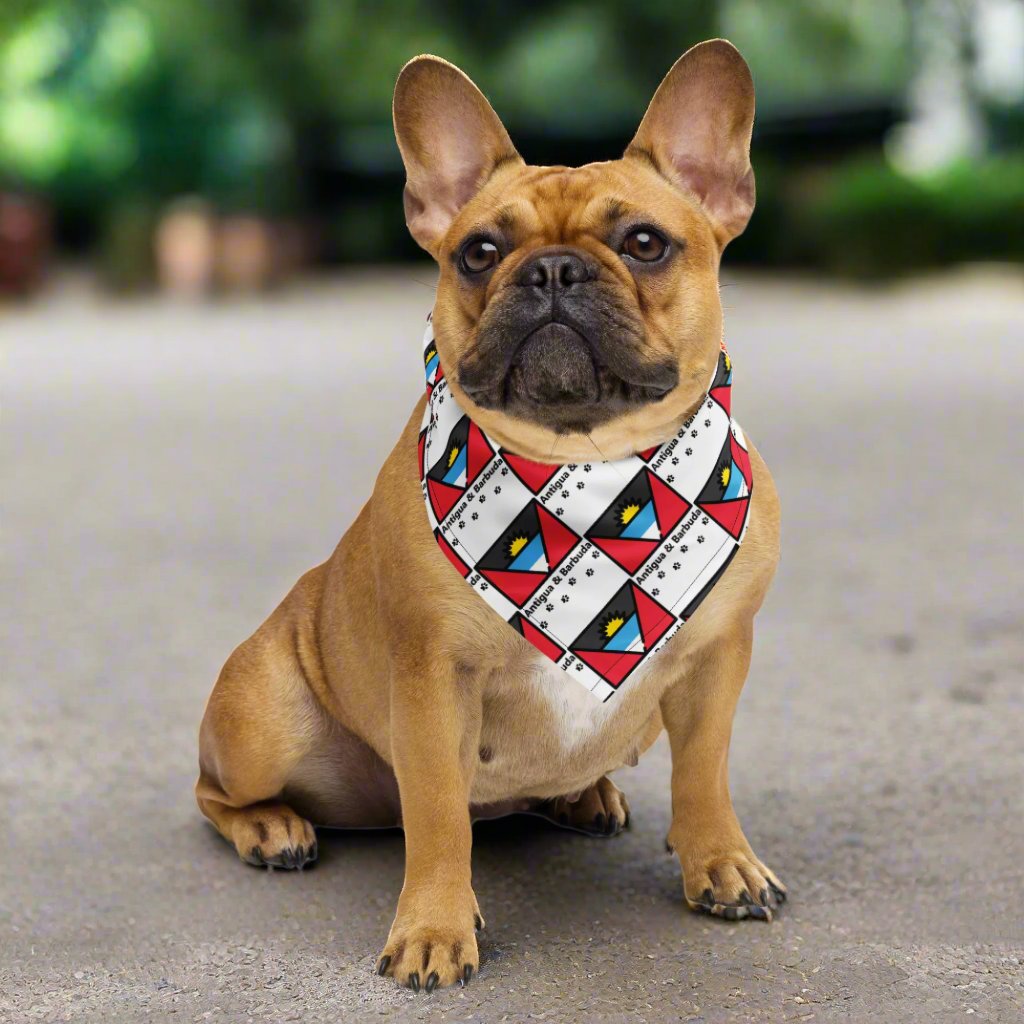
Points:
[(604, 458)]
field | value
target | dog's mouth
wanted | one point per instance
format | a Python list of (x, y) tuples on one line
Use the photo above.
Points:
[(555, 376)]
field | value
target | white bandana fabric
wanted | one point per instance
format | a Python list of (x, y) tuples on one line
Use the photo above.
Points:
[(595, 564)]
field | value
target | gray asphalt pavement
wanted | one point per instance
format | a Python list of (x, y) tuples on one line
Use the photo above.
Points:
[(169, 471)]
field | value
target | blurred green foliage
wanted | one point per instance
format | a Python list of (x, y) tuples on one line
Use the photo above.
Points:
[(110, 108), (864, 219)]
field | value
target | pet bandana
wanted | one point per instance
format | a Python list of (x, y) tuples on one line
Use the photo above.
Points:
[(595, 564)]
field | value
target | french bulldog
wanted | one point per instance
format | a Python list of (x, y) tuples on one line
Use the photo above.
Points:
[(578, 318)]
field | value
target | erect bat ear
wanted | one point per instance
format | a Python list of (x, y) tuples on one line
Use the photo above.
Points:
[(697, 130), (450, 140)]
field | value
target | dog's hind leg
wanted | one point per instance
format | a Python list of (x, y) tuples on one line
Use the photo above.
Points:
[(261, 721)]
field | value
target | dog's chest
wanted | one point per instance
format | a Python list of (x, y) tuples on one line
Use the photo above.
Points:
[(544, 734), (574, 716)]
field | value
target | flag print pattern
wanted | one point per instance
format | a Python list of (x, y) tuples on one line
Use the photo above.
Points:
[(596, 565)]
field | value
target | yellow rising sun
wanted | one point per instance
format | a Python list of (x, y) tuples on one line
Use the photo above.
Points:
[(725, 475), (728, 363), (628, 513), (613, 625), (430, 355), (452, 456), (516, 545)]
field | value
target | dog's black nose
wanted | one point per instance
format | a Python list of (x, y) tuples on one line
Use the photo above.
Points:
[(554, 269)]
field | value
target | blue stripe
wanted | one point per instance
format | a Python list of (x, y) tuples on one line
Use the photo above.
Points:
[(529, 556), (627, 635), (640, 523)]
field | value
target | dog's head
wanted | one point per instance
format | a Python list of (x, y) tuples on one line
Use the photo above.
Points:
[(577, 312)]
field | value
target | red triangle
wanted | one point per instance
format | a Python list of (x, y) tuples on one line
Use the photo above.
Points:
[(648, 453), (443, 497), (518, 587), (669, 507), (543, 643), (730, 515), (741, 457), (611, 666), (478, 454), (723, 396), (558, 539), (450, 554), (630, 554), (421, 448), (654, 620), (534, 474)]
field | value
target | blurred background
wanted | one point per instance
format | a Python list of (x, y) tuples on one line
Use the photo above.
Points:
[(229, 145)]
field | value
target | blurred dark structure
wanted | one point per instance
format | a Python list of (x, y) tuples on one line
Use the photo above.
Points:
[(890, 136)]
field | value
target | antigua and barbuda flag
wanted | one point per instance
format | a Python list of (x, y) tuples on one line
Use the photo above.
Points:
[(622, 633), (721, 386), (431, 365), (464, 456), (526, 553), (634, 525), (726, 495)]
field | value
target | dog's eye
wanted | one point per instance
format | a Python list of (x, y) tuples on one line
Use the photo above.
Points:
[(479, 256), (644, 245)]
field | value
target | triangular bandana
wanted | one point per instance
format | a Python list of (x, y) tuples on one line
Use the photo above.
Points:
[(597, 564)]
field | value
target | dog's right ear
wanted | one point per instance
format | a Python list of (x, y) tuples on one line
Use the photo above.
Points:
[(450, 139)]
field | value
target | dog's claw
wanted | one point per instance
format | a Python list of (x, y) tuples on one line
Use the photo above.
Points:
[(478, 922), (467, 974), (432, 980), (383, 965), (780, 894), (414, 981)]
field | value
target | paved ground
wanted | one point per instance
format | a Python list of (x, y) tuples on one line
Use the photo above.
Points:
[(169, 471)]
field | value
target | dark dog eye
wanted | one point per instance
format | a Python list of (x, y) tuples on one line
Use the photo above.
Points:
[(479, 256), (644, 245)]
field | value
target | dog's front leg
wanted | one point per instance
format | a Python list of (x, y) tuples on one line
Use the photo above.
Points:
[(435, 729), (721, 874)]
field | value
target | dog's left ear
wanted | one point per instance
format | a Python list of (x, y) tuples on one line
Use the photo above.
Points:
[(697, 130), (450, 139)]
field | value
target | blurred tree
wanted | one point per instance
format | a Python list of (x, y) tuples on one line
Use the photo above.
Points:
[(112, 107)]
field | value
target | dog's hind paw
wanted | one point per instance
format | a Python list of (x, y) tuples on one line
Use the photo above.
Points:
[(274, 836), (600, 810)]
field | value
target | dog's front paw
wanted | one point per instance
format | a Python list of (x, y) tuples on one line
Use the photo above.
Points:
[(732, 884), (433, 939)]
